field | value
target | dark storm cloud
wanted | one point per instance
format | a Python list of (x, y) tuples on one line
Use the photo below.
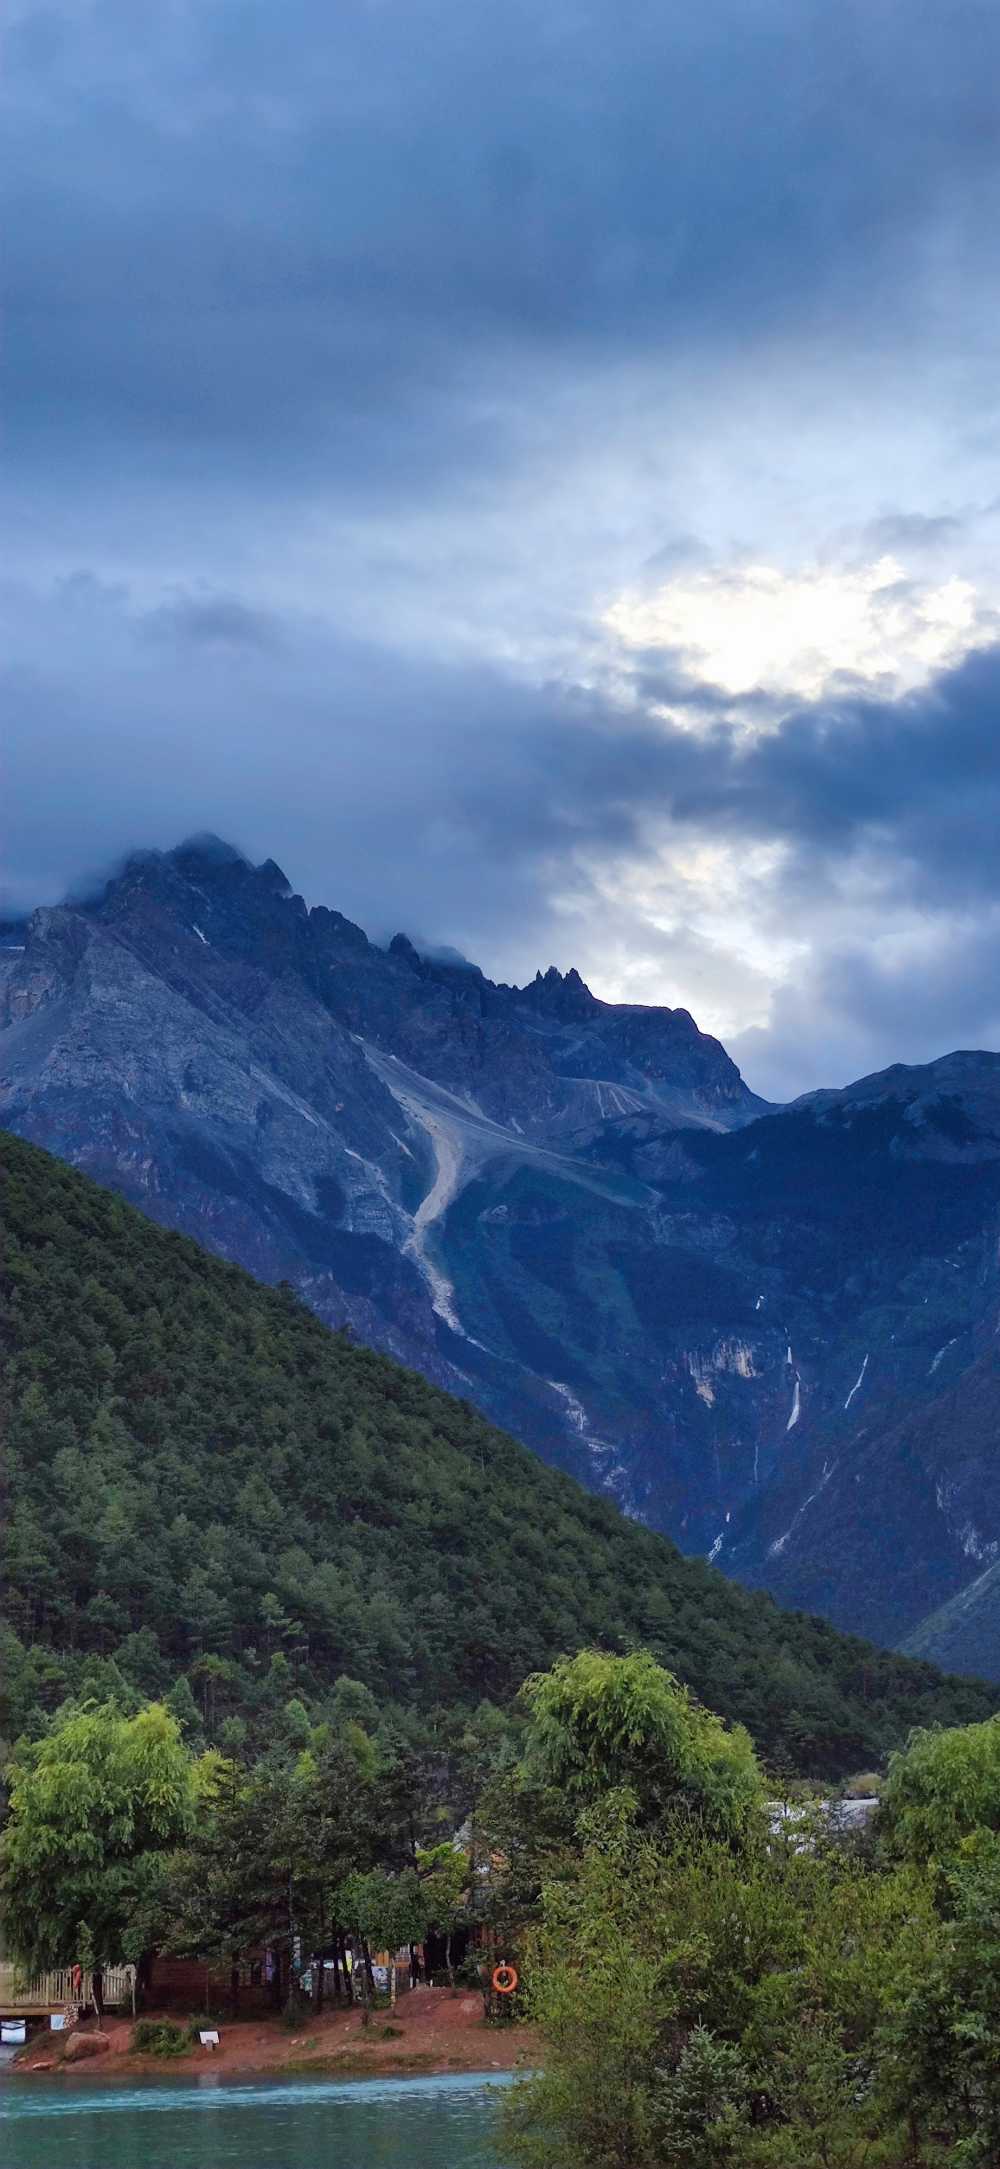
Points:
[(917, 778), (920, 774), (417, 777), (290, 235)]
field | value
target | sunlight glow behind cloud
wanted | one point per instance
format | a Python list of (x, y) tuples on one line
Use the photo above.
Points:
[(755, 626)]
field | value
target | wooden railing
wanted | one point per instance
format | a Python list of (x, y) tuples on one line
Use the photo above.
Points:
[(55, 1991)]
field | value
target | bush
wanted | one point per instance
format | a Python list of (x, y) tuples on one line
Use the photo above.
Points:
[(867, 1786), (160, 2037)]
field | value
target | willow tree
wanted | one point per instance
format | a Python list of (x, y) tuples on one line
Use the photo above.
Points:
[(600, 1723), (95, 1807), (942, 1788)]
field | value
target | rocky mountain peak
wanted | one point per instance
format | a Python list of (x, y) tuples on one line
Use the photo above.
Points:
[(331, 927), (205, 861), (545, 1057), (201, 852), (403, 948), (208, 861), (273, 878), (558, 994)]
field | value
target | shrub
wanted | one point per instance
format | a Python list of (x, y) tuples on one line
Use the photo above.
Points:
[(160, 2037)]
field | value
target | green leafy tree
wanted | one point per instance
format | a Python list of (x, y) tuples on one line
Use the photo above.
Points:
[(383, 1911), (950, 2026), (94, 1808), (940, 1789), (443, 1871), (704, 2004), (598, 1722), (230, 1889), (265, 1861), (606, 1990)]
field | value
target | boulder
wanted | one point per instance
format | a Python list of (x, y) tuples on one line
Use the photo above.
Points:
[(80, 2046)]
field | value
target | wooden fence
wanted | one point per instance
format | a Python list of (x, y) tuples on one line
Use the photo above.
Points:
[(55, 1991)]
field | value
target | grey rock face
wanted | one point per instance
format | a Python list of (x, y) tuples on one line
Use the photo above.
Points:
[(752, 1327)]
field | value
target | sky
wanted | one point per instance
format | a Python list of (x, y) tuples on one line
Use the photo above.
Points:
[(532, 471)]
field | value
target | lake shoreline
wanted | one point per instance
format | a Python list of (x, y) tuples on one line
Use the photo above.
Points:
[(432, 2033)]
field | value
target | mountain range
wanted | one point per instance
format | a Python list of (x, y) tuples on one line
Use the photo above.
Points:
[(769, 1333)]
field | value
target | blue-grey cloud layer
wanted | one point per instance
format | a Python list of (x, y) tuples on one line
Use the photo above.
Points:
[(302, 271), (270, 231)]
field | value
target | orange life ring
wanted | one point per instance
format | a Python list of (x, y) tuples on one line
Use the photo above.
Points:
[(504, 1979)]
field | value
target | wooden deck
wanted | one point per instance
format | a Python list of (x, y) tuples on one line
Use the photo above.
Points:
[(54, 1991)]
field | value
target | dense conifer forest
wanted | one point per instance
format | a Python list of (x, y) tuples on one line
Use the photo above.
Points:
[(210, 1497)]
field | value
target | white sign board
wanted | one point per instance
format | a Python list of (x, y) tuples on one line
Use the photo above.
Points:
[(57, 2021), (209, 2040), (13, 2032)]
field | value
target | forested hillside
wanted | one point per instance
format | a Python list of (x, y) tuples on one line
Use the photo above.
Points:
[(210, 1495)]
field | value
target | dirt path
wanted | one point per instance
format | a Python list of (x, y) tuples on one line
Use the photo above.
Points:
[(430, 2031)]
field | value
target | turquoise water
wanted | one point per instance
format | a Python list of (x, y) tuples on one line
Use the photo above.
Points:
[(443, 2123)]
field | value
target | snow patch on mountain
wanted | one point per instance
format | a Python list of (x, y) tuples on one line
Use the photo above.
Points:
[(775, 1550), (859, 1381)]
